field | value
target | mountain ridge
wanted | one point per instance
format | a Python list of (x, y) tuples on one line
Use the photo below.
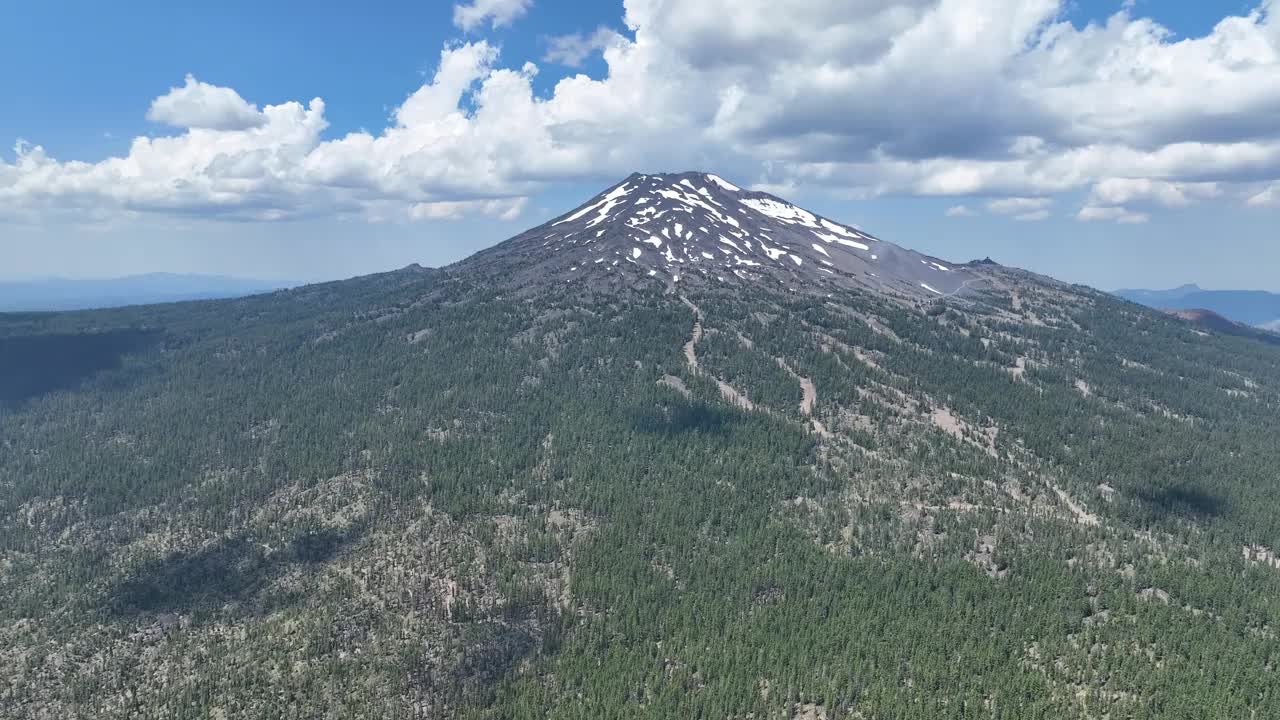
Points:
[(57, 294), (1251, 307)]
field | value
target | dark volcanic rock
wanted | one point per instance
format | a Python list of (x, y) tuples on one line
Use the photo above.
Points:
[(699, 228)]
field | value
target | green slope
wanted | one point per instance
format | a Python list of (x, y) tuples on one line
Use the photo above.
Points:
[(408, 496)]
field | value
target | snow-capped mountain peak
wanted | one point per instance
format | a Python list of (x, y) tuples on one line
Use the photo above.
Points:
[(700, 227)]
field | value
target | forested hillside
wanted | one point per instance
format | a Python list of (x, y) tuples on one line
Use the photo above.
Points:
[(414, 495)]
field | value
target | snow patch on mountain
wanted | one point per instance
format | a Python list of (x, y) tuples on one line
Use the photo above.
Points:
[(723, 183)]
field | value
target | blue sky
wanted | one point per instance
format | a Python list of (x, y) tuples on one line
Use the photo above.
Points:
[(1116, 144)]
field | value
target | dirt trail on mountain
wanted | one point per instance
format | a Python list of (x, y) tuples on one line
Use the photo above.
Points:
[(691, 356), (809, 393), (1081, 515), (808, 399), (733, 396), (810, 396)]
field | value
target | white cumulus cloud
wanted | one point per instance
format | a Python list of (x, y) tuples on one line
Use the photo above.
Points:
[(1123, 191), (506, 209), (574, 49), (1019, 205), (470, 16), (200, 105), (1093, 213)]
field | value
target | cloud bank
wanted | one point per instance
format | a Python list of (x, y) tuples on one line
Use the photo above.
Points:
[(999, 99)]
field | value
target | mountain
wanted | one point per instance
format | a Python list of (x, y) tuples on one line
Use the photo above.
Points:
[(1208, 319), (534, 485), (1159, 298), (78, 294), (1251, 307), (1213, 321), (698, 228)]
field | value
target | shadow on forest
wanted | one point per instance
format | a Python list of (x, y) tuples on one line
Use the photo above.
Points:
[(34, 365), (682, 418), (231, 570), (494, 651), (1184, 501)]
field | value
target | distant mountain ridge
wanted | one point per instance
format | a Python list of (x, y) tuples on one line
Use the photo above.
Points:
[(85, 293), (1251, 307)]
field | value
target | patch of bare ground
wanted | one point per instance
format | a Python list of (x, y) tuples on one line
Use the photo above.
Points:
[(808, 398), (1135, 365), (891, 398), (829, 344), (983, 555), (1083, 388), (734, 397), (1152, 594), (866, 358), (569, 521), (1019, 369), (690, 351), (451, 431), (570, 526), (1078, 512), (811, 396), (674, 383), (1101, 617), (1260, 555), (947, 421), (855, 421), (808, 711)]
